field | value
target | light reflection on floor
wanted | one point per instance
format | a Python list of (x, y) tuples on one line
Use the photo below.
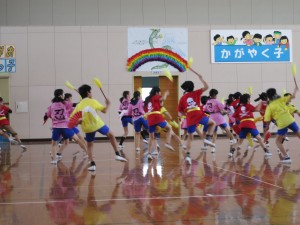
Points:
[(214, 190)]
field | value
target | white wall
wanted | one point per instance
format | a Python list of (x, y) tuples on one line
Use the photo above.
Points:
[(48, 56)]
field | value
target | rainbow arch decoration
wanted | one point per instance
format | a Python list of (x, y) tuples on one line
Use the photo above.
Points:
[(157, 54)]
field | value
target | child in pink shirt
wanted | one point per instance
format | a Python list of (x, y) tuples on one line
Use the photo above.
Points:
[(58, 112), (216, 110), (136, 109)]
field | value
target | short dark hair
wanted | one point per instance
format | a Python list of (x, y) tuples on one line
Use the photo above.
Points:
[(188, 86), (84, 90)]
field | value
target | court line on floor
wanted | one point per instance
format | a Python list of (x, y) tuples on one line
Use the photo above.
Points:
[(240, 174)]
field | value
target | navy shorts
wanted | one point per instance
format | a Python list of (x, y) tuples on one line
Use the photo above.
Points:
[(139, 123), (66, 133), (244, 131), (125, 120), (153, 128), (294, 127), (203, 121), (90, 137)]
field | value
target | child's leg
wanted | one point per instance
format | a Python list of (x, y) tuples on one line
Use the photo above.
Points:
[(53, 150), (90, 147), (80, 141), (137, 140), (278, 141), (151, 142), (63, 147)]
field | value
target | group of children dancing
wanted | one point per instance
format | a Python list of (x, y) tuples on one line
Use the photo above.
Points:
[(149, 115)]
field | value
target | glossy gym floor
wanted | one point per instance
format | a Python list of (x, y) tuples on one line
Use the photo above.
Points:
[(248, 189)]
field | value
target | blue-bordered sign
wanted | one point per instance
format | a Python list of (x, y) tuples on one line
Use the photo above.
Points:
[(251, 46), (7, 59)]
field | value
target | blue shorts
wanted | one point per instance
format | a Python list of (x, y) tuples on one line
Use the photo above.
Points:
[(125, 120), (153, 128), (293, 126), (203, 121), (223, 126), (139, 123), (90, 137), (244, 131), (75, 129), (66, 133)]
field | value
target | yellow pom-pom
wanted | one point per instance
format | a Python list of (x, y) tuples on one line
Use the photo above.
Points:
[(174, 124), (283, 91), (294, 69), (97, 82), (190, 62), (250, 141), (223, 100), (69, 85), (168, 74), (250, 90)]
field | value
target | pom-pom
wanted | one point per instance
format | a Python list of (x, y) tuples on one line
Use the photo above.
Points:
[(223, 100), (69, 85), (294, 69), (250, 90), (174, 124), (250, 141), (190, 62), (75, 119), (168, 74), (97, 82)]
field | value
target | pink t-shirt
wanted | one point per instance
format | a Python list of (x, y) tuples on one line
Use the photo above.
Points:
[(214, 107), (124, 106), (58, 112), (137, 110)]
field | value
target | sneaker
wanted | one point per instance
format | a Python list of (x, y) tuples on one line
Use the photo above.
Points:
[(13, 141), (231, 153), (145, 141), (209, 143), (58, 156), (54, 162), (120, 158), (255, 140), (286, 160), (150, 157), (286, 139), (169, 147), (267, 153), (157, 146), (23, 146), (155, 152), (267, 144), (188, 160), (232, 141), (92, 168), (121, 146), (213, 150)]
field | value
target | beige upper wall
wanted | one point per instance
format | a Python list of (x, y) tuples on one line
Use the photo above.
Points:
[(58, 40), (146, 12)]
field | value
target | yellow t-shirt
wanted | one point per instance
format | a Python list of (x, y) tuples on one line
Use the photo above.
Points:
[(279, 111), (292, 108), (91, 121)]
